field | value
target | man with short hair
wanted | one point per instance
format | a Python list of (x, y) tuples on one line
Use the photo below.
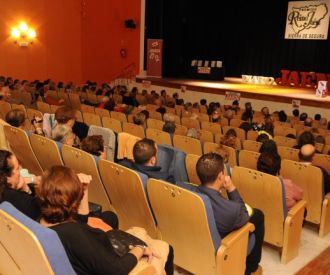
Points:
[(229, 214), (145, 160)]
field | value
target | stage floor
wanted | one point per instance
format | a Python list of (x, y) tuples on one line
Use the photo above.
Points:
[(254, 91)]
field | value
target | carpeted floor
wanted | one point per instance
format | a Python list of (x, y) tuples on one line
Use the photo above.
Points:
[(320, 265)]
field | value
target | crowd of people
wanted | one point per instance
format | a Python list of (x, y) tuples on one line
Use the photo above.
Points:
[(59, 198)]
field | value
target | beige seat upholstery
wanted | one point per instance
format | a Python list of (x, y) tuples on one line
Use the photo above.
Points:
[(155, 115), (26, 99), (126, 144), (155, 124), (133, 129), (265, 192), (284, 131), (322, 160), (46, 151), (92, 119), (160, 137), (113, 124), (206, 136), (20, 144), (75, 101), (180, 130), (187, 144), (82, 162), (212, 127), (5, 107), (252, 135), (288, 153), (87, 109), (284, 141), (190, 122), (234, 122), (128, 197), (213, 147), (119, 116), (102, 112), (191, 161), (191, 237), (251, 145), (248, 159), (43, 107), (310, 179)]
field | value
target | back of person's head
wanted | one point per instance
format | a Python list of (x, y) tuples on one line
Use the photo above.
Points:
[(169, 127), (248, 106), (16, 117), (282, 116), (269, 146), (60, 193), (295, 112), (146, 113), (229, 114), (144, 150), (208, 167), (269, 127), (320, 139), (306, 138), (246, 126), (5, 169), (203, 101), (265, 111), (175, 95), (64, 114), (63, 133), (139, 119), (235, 103), (308, 122), (262, 138), (317, 117), (269, 163), (93, 145), (230, 138), (306, 153), (303, 116), (247, 115)]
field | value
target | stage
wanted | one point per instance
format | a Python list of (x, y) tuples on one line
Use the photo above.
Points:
[(255, 91)]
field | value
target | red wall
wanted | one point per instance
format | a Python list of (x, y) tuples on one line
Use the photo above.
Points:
[(104, 34), (57, 52), (75, 41)]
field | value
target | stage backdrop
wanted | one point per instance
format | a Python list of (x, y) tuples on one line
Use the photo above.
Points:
[(248, 36)]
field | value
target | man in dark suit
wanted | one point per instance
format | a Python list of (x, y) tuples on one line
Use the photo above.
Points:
[(145, 160), (229, 214)]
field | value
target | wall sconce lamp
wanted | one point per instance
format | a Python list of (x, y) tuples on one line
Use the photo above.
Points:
[(23, 35)]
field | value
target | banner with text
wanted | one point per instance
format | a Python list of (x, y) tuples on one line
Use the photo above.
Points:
[(154, 60), (307, 20)]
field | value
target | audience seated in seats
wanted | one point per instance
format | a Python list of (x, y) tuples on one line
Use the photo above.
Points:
[(94, 145), (203, 102), (161, 109), (230, 139), (229, 114), (37, 123), (317, 117), (262, 138), (282, 116), (235, 106), (146, 113), (320, 139), (306, 155), (305, 138), (269, 146), (63, 133), (145, 160), (178, 101), (232, 213), (267, 128), (66, 115), (308, 122), (52, 101), (303, 116), (169, 127), (16, 189), (61, 186), (265, 111), (193, 133), (270, 164), (16, 118), (140, 119)]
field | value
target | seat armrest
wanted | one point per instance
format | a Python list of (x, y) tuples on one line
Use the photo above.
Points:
[(297, 207), (233, 236)]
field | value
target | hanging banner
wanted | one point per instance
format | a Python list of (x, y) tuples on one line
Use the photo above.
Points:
[(154, 58), (307, 20)]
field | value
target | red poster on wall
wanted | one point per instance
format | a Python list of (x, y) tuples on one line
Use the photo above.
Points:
[(154, 59)]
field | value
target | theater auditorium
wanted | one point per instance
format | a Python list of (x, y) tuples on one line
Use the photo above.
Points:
[(164, 137)]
